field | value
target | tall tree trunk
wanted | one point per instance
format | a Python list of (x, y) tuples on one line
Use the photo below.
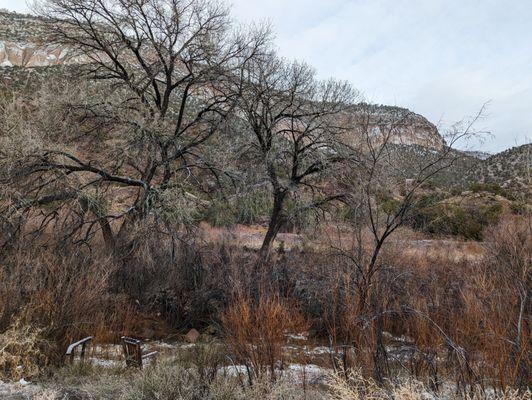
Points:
[(276, 221), (380, 355), (107, 233)]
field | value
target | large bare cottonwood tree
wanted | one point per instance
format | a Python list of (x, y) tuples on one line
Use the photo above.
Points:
[(165, 76)]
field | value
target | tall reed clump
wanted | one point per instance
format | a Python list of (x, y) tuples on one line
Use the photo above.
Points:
[(508, 280), (256, 329), (468, 320)]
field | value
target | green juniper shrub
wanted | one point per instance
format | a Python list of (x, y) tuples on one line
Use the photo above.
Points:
[(493, 188), (468, 222)]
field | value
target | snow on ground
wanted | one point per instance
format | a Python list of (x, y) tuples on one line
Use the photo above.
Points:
[(18, 390), (297, 336), (298, 373)]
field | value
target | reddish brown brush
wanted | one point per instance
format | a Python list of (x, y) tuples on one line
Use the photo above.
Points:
[(66, 297), (257, 329)]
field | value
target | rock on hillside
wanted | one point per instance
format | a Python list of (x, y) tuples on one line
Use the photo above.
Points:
[(31, 54), (411, 128)]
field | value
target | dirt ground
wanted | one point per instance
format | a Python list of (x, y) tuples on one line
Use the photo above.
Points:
[(409, 242)]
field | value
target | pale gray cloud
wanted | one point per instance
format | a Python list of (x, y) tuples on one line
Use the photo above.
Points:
[(14, 5), (441, 58)]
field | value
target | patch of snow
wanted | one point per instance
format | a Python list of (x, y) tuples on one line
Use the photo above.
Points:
[(298, 336), (308, 368), (101, 362), (187, 346), (402, 338), (233, 370), (318, 350), (165, 345), (297, 372)]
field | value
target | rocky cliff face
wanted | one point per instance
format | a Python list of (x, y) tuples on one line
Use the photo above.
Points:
[(405, 127), (24, 42), (31, 55)]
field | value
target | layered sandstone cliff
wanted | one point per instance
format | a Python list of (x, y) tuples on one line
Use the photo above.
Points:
[(24, 42)]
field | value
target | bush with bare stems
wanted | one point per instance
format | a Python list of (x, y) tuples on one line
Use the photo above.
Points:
[(63, 297), (256, 330)]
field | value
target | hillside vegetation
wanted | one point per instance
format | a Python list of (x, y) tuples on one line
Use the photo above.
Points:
[(511, 169)]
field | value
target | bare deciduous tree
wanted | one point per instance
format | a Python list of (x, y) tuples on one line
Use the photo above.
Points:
[(165, 78), (294, 124), (382, 183)]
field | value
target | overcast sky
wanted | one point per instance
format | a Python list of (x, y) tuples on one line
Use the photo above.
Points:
[(441, 58)]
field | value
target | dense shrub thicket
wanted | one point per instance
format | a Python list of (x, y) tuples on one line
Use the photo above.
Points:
[(461, 308)]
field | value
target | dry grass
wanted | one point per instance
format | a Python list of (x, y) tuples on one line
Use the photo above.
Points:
[(169, 380), (357, 387), (63, 298), (508, 394), (22, 352)]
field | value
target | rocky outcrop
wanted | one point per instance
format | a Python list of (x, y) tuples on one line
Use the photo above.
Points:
[(417, 130), (394, 125), (24, 42), (32, 55)]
